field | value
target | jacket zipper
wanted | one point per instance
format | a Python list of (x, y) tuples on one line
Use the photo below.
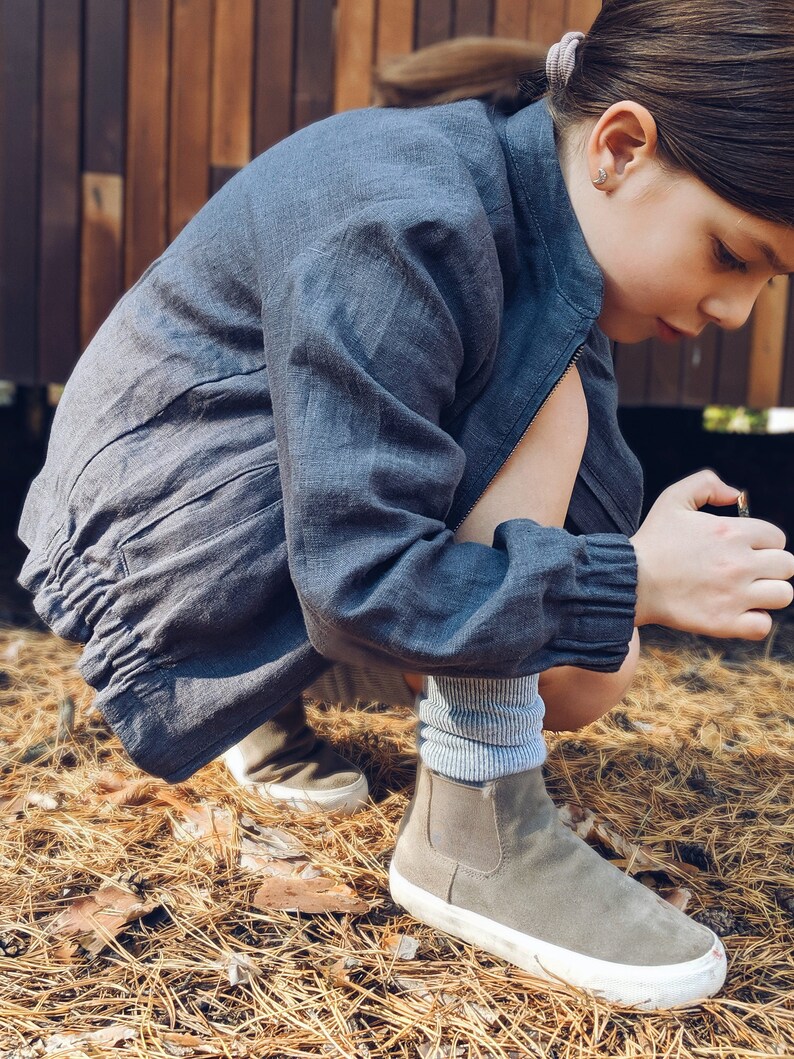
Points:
[(548, 397)]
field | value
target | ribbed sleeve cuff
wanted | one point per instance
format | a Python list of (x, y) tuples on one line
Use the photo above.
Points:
[(607, 584)]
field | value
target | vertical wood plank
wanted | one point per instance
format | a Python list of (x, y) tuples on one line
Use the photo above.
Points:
[(273, 72), (664, 374), (472, 18), (313, 61), (547, 21), (104, 134), (189, 141), (59, 231), (511, 18), (20, 26), (699, 368), (145, 218), (355, 54), (787, 389), (731, 387), (220, 175), (104, 85), (734, 366), (767, 344), (101, 275), (433, 21), (632, 365), (232, 82), (580, 14), (395, 32)]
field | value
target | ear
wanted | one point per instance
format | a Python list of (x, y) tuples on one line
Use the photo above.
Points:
[(621, 140)]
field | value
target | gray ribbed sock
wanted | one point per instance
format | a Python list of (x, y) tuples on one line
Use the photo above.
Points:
[(474, 730)]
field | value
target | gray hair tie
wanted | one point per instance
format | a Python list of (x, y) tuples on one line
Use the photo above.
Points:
[(561, 58)]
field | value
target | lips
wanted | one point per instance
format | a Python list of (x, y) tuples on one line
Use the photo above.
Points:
[(668, 333)]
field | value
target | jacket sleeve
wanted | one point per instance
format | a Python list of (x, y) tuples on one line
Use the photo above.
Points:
[(367, 335)]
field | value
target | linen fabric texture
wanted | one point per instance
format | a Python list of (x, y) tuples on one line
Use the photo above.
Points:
[(258, 465)]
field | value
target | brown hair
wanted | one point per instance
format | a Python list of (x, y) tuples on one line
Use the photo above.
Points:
[(717, 75)]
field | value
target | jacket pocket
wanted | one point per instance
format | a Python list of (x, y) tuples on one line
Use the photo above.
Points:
[(201, 523)]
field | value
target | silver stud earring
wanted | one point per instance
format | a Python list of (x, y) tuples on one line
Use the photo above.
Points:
[(601, 178)]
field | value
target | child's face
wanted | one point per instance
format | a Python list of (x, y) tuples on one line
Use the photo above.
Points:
[(673, 253)]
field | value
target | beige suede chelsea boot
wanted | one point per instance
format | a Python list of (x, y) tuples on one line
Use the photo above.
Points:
[(285, 761), (495, 867)]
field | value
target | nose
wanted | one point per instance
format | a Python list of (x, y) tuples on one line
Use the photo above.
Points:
[(730, 310)]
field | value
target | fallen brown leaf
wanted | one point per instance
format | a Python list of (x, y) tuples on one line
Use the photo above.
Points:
[(679, 897), (711, 737), (119, 789), (307, 895), (92, 921), (12, 807), (339, 972), (274, 852), (188, 1045), (210, 826), (106, 1035)]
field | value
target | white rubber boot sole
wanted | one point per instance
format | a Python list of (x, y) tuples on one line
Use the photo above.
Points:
[(348, 799), (643, 988)]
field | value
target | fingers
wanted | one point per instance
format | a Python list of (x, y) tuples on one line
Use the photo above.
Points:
[(753, 625), (706, 573), (770, 595), (704, 487), (756, 533), (764, 535), (772, 564)]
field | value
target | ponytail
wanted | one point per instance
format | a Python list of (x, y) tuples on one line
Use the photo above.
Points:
[(717, 75), (506, 73)]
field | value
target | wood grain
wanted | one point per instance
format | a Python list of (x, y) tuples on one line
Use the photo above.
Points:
[(355, 54), (547, 23), (734, 366), (664, 374), (19, 206), (59, 225), (232, 82), (101, 273), (104, 85), (220, 175), (511, 18), (145, 219), (313, 62), (208, 83), (699, 360), (632, 366), (767, 345), (580, 14), (787, 388), (433, 21), (273, 72), (395, 29), (189, 136), (472, 18)]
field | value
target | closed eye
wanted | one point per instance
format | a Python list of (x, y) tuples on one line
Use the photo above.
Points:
[(726, 258)]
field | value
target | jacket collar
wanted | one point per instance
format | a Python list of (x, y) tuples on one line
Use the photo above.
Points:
[(540, 194)]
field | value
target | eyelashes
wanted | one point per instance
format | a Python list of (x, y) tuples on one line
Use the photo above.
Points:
[(726, 258)]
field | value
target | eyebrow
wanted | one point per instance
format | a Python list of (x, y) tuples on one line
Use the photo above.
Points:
[(771, 256)]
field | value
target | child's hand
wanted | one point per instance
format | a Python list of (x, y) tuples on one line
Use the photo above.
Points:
[(707, 574)]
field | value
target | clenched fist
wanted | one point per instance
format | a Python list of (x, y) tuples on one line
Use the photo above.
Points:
[(706, 574)]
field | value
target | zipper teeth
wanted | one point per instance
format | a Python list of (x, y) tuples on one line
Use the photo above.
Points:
[(546, 400)]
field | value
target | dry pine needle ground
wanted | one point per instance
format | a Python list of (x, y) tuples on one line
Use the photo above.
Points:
[(138, 918)]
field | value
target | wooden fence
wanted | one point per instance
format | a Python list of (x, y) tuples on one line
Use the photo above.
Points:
[(118, 119)]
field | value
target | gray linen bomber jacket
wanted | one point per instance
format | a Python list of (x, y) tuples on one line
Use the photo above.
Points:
[(259, 462)]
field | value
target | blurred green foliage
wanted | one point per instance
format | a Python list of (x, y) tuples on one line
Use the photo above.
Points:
[(725, 419)]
